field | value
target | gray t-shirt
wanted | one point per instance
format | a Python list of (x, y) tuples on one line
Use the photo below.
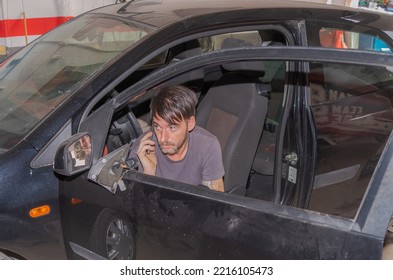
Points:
[(203, 161)]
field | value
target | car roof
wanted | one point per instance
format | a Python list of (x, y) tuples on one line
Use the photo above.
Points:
[(160, 13)]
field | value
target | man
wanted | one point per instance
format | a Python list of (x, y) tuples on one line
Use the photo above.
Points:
[(177, 149)]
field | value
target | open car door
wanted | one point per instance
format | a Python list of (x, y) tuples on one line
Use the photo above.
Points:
[(279, 213)]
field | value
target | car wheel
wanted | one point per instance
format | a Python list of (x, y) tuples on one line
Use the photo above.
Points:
[(112, 236)]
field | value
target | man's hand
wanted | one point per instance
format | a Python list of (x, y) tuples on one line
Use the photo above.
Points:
[(146, 154)]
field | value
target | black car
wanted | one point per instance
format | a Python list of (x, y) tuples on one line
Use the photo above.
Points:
[(301, 98)]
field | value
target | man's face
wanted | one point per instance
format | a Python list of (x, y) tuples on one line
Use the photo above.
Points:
[(172, 137)]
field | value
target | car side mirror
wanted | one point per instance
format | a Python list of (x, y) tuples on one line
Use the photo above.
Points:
[(74, 155)]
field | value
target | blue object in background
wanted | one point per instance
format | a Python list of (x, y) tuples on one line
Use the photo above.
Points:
[(380, 45), (372, 43)]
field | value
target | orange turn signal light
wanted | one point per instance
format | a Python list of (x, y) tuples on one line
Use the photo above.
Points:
[(39, 211), (75, 200)]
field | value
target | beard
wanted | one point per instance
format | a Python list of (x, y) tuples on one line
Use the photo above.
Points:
[(168, 148), (171, 148)]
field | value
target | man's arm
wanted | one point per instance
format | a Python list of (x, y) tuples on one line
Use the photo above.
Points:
[(216, 185), (213, 166)]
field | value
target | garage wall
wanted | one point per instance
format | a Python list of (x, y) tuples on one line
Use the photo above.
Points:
[(22, 21)]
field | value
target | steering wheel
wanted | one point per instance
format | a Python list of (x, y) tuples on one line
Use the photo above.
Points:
[(134, 123)]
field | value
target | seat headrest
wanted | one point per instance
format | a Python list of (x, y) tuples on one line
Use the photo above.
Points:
[(249, 68), (230, 43), (189, 53), (188, 49)]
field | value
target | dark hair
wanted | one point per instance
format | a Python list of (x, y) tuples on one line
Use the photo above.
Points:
[(173, 103)]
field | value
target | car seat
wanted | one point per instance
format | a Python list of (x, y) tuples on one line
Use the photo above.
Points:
[(234, 109)]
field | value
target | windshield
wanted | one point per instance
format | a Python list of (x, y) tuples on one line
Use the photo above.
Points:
[(40, 76)]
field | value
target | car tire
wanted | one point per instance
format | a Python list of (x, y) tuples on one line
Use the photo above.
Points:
[(113, 236)]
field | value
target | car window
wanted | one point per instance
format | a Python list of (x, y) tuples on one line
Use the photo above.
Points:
[(353, 113), (341, 39), (226, 40), (329, 36), (248, 38), (38, 78), (215, 42)]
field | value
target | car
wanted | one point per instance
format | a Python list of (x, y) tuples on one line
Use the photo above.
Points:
[(298, 94)]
